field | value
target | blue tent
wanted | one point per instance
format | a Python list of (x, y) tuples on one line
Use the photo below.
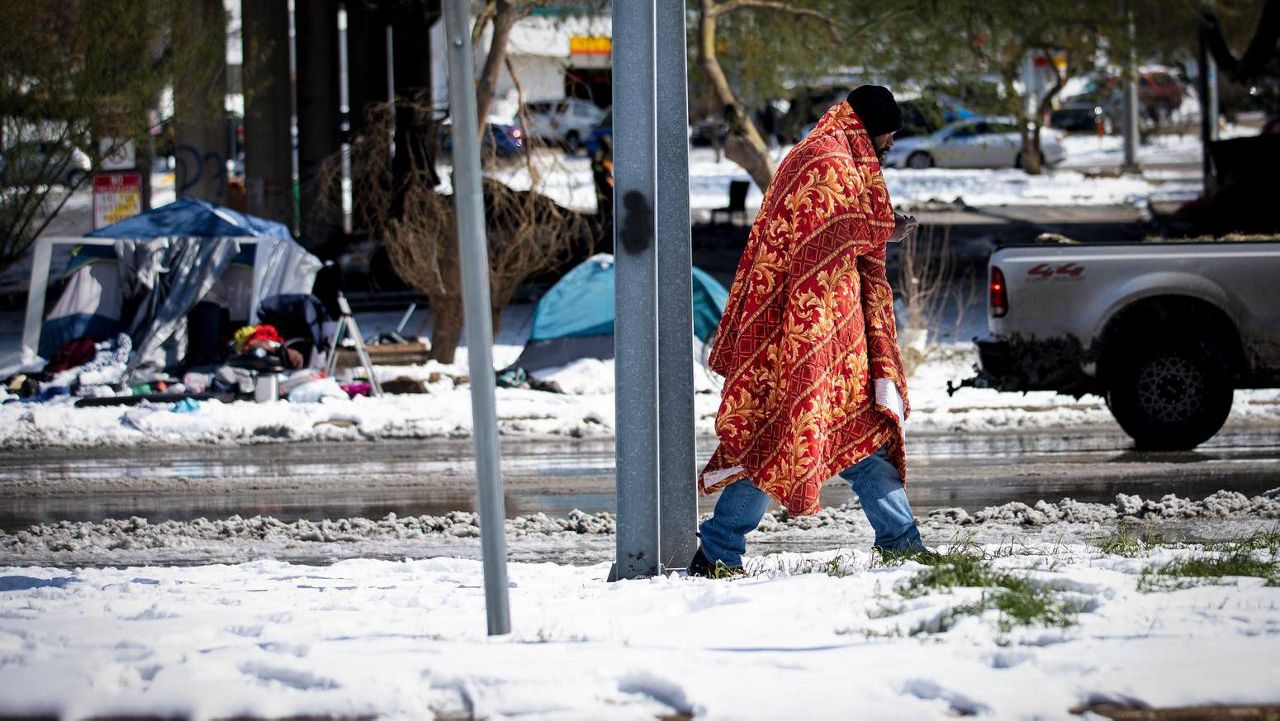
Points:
[(185, 217), (192, 244), (191, 218), (575, 318)]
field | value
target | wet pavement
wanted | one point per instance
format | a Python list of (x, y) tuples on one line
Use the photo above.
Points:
[(343, 480)]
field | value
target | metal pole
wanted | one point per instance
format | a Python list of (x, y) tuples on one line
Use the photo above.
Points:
[(677, 464), (473, 254), (1130, 98), (635, 327)]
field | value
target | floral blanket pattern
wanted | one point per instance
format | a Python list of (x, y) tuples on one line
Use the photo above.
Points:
[(808, 344)]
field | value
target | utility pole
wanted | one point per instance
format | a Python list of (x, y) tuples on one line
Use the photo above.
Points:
[(636, 277), (268, 163), (653, 342), (677, 461)]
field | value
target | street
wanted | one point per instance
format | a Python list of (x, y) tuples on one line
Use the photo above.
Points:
[(315, 481)]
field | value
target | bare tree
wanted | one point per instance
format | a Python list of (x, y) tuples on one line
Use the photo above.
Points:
[(528, 233), (925, 287), (743, 145)]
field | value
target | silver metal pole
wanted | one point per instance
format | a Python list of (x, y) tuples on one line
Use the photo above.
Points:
[(1131, 119), (677, 464), (474, 259), (635, 326)]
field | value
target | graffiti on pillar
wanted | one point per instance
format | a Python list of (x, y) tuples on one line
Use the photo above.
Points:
[(195, 166)]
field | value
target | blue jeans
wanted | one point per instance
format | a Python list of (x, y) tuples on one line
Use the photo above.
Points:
[(874, 479)]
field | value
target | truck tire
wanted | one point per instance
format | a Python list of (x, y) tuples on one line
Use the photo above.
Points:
[(1171, 396)]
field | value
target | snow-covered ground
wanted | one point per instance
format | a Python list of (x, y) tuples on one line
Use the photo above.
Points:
[(584, 409), (568, 179), (820, 635)]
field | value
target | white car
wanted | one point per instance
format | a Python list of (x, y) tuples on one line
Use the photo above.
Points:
[(568, 121), (983, 142)]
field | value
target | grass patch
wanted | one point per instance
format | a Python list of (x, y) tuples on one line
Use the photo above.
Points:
[(1267, 540), (838, 566), (1254, 556), (1204, 569), (1019, 601), (1123, 542)]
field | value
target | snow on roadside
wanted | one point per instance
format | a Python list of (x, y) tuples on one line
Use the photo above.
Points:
[(588, 538), (568, 181), (818, 635), (584, 410)]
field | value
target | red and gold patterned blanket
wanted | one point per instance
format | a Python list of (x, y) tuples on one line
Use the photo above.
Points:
[(808, 345)]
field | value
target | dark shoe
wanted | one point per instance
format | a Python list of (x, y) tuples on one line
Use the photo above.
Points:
[(908, 543), (702, 567)]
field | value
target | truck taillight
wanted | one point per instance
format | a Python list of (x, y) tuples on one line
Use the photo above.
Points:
[(999, 294)]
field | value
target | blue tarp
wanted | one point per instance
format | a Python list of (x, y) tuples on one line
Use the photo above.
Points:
[(190, 218), (581, 304)]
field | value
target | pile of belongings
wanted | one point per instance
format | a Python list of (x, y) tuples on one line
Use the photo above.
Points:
[(260, 347)]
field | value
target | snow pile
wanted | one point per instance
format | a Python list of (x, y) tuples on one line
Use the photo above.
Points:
[(805, 636), (393, 535), (1220, 505)]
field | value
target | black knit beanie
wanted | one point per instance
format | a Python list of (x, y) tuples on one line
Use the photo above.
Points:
[(875, 105)]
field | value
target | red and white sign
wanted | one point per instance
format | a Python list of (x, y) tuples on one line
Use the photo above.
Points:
[(116, 196)]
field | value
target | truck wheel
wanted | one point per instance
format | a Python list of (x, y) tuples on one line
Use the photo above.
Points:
[(1171, 397)]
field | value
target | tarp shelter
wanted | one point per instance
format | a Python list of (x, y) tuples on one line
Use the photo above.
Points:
[(575, 318), (156, 266)]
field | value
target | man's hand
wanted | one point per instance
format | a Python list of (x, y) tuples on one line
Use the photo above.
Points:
[(904, 225)]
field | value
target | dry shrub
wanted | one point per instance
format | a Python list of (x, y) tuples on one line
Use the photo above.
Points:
[(925, 284), (528, 234)]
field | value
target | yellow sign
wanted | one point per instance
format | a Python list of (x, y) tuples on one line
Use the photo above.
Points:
[(590, 45)]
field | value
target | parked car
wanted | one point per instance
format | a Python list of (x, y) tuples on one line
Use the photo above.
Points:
[(980, 142), (1163, 331), (922, 116), (504, 139), (603, 129), (1159, 94), (1081, 117), (33, 162), (568, 121)]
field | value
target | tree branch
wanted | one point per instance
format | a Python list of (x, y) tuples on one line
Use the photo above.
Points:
[(732, 5), (1261, 48)]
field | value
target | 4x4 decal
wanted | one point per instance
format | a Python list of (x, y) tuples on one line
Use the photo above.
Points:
[(1044, 270)]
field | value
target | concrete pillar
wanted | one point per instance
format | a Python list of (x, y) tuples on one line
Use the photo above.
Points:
[(316, 30), (411, 49), (367, 61), (200, 125), (268, 159)]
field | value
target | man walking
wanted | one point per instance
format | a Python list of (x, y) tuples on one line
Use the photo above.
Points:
[(808, 344)]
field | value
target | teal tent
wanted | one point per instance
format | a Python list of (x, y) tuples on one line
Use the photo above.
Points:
[(575, 318)]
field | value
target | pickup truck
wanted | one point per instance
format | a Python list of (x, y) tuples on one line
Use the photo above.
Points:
[(1164, 331)]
